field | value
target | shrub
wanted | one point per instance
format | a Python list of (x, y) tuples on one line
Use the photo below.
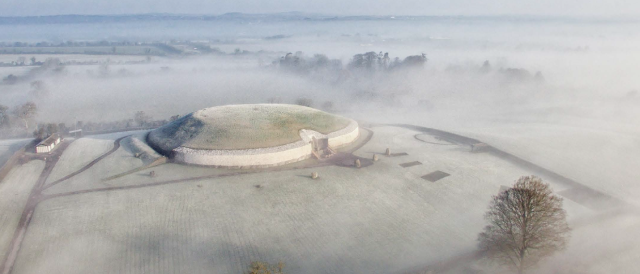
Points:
[(304, 102), (266, 268)]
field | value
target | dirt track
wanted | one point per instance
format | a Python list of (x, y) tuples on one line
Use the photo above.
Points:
[(32, 202), (35, 197), (116, 146)]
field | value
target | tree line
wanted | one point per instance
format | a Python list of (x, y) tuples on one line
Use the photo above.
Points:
[(20, 121), (365, 62)]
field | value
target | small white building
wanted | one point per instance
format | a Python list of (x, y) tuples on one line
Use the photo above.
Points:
[(47, 145)]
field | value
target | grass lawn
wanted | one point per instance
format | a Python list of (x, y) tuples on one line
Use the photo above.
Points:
[(245, 127)]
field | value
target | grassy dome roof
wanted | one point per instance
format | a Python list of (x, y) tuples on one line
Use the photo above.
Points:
[(244, 127)]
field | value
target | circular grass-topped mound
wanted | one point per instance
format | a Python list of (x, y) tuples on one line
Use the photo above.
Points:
[(238, 127)]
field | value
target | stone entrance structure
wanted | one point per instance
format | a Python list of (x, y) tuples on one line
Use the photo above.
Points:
[(320, 148)]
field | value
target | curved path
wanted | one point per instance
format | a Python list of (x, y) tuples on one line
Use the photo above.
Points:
[(598, 200), (116, 146), (417, 136)]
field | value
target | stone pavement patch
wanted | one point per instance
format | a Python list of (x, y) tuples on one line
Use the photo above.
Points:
[(410, 164), (435, 176)]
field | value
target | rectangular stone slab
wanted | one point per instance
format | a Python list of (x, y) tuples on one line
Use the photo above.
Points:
[(410, 164), (435, 176)]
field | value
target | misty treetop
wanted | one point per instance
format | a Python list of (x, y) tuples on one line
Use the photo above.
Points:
[(365, 62), (365, 77), (526, 224), (18, 121), (51, 66), (369, 65)]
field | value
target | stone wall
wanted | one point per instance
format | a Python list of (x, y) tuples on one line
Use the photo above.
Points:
[(344, 136), (266, 157)]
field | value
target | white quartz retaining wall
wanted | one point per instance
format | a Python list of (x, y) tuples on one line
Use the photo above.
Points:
[(344, 136), (265, 157)]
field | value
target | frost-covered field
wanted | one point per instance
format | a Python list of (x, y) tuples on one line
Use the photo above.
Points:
[(378, 219), (81, 152), (604, 243), (15, 190), (600, 150), (602, 158)]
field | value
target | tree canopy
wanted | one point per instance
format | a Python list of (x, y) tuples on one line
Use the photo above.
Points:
[(526, 224)]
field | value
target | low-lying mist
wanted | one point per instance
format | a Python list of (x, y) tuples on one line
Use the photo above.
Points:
[(578, 116)]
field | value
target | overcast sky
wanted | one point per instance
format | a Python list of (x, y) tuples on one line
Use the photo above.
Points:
[(337, 7)]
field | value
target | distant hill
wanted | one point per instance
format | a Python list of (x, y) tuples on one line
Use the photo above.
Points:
[(80, 19), (291, 16)]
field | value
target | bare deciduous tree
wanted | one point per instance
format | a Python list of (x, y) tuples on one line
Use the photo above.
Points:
[(21, 60), (26, 112), (526, 224), (46, 130), (141, 118), (38, 88)]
